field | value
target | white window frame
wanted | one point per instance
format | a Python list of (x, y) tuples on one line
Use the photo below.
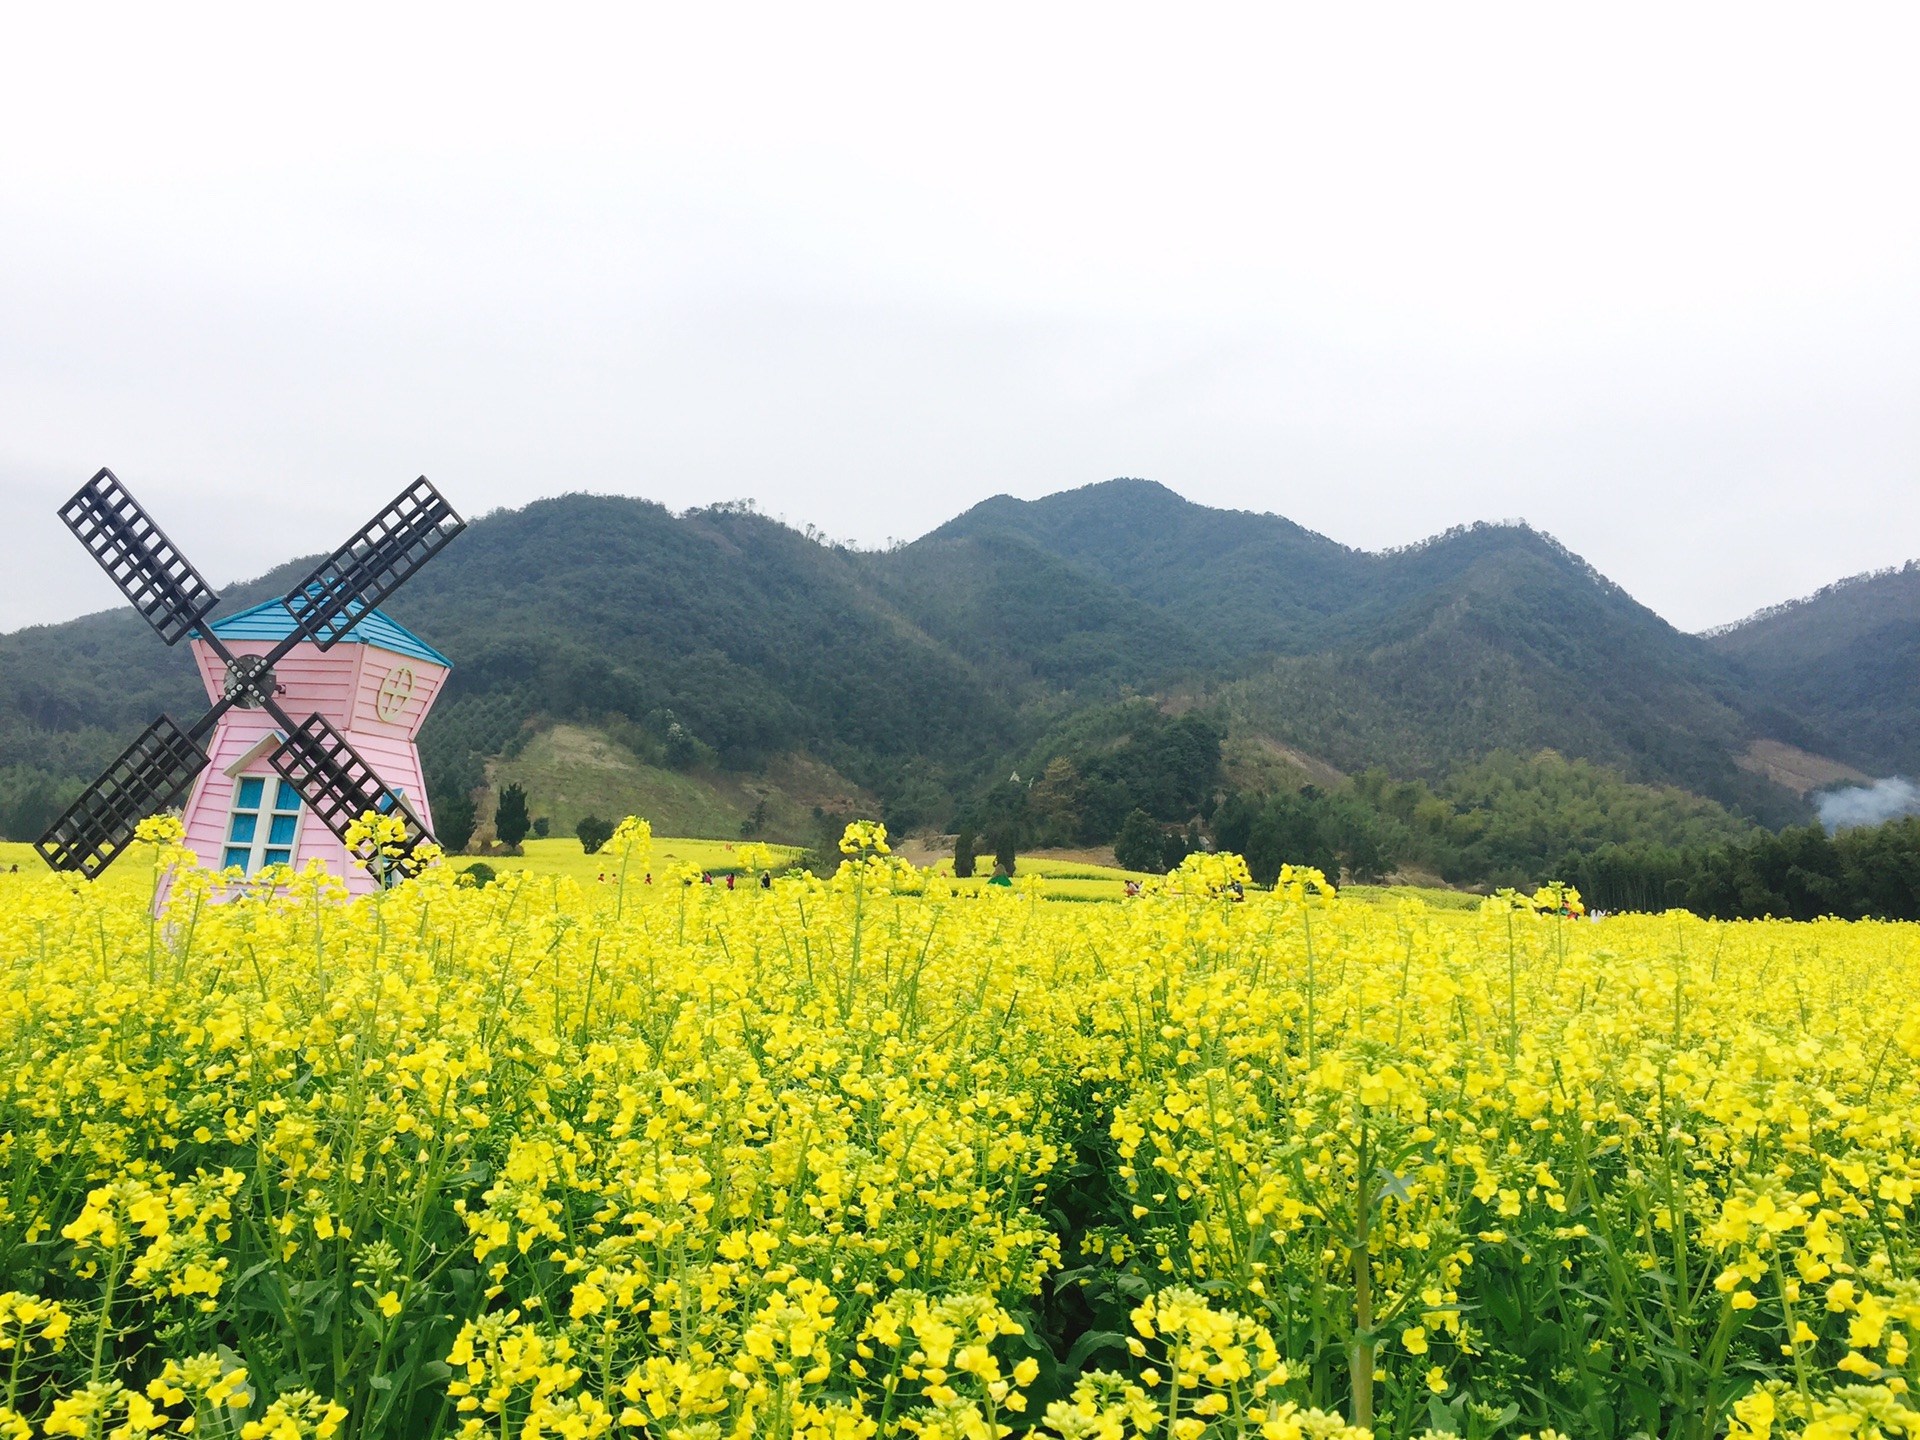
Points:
[(251, 855)]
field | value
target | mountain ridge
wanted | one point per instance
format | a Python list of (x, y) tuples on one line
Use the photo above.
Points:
[(919, 670), (1846, 661)]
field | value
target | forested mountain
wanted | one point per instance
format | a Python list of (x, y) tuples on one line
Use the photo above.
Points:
[(741, 636), (1846, 662), (923, 671), (1507, 642), (72, 696), (1249, 583), (1488, 637)]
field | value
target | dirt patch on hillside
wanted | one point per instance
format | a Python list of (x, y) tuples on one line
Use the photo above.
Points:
[(1796, 769), (1257, 763), (809, 782)]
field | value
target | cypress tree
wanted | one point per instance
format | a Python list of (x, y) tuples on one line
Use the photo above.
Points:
[(510, 821)]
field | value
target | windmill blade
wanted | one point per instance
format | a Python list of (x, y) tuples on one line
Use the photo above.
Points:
[(164, 587), (152, 774), (410, 531), (317, 761)]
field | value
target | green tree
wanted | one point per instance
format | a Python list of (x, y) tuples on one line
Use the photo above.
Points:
[(1141, 844), (682, 748), (1800, 874), (453, 815), (31, 800), (1053, 804), (822, 858), (593, 832), (1328, 832), (510, 820), (963, 844), (1003, 847)]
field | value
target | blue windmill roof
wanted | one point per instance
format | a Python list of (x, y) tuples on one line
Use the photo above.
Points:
[(272, 622)]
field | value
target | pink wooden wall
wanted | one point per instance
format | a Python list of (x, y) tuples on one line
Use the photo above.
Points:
[(343, 684)]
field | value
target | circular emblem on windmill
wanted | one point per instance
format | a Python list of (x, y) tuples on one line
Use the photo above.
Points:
[(394, 690)]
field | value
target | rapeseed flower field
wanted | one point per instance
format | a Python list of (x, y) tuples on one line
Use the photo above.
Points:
[(861, 1158)]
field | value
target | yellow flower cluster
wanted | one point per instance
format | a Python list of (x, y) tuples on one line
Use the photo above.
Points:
[(854, 1159), (378, 843)]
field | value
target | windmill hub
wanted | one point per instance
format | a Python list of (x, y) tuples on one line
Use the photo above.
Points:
[(250, 682)]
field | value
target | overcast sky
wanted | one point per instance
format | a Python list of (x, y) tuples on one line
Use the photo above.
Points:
[(1648, 277)]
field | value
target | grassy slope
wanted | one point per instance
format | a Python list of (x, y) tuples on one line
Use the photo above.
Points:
[(570, 770)]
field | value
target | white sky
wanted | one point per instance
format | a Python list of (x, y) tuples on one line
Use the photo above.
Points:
[(1647, 276)]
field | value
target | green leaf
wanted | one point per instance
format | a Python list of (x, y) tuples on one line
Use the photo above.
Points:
[(1394, 1185), (1088, 1344)]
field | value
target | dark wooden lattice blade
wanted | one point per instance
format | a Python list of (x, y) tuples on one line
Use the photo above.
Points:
[(152, 774), (139, 557), (340, 786), (373, 564)]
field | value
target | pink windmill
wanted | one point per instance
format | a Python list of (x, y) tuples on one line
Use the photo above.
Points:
[(374, 689), (268, 789)]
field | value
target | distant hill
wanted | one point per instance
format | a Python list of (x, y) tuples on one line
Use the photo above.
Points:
[(73, 695), (1846, 662), (757, 639), (1488, 637), (1248, 583), (750, 637), (724, 639)]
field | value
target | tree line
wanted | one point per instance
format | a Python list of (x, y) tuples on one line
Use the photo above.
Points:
[(1801, 873), (1153, 786)]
